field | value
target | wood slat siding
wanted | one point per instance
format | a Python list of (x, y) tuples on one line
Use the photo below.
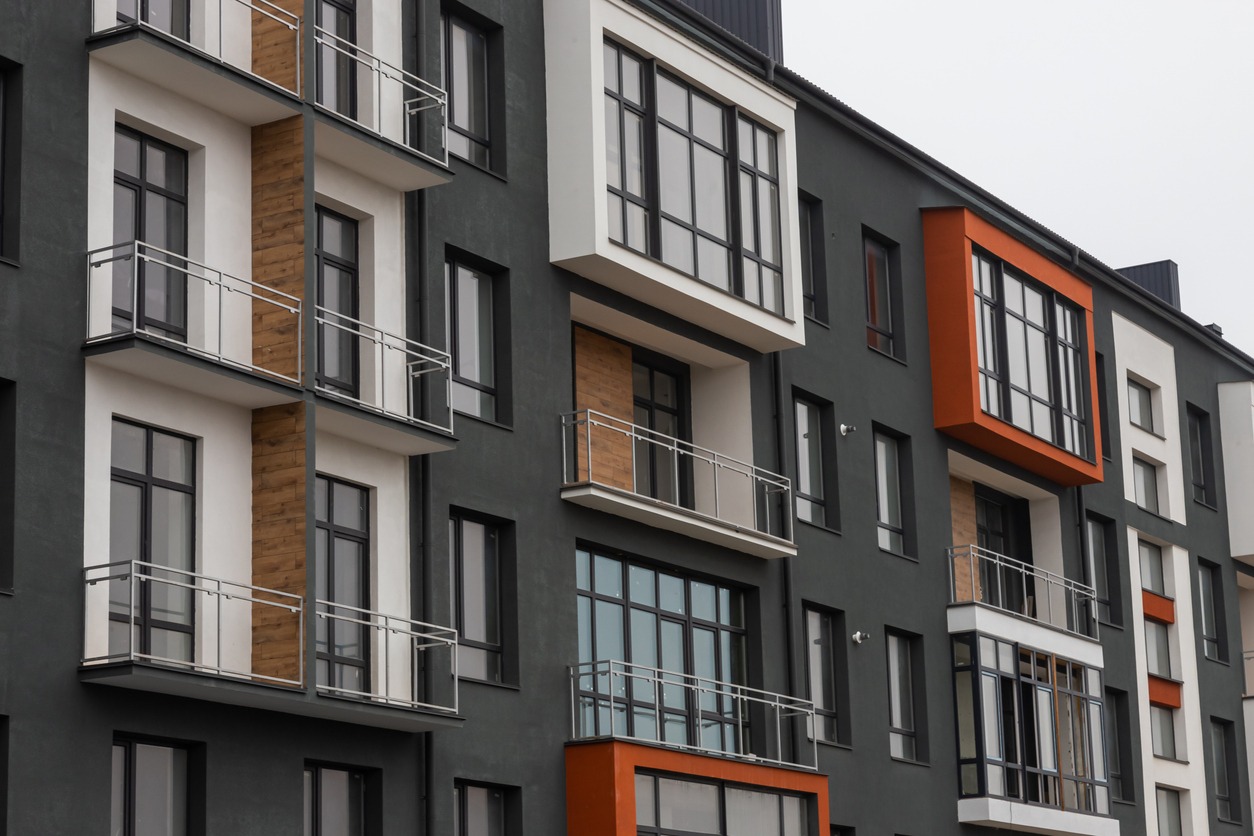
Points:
[(279, 449), (275, 47), (278, 207), (603, 382), (962, 515)]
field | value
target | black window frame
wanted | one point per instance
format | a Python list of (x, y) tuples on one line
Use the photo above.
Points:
[(493, 651), (495, 391), (10, 157), (483, 142), (1103, 572), (1144, 416), (501, 811), (1103, 410), (1162, 721), (885, 339), (813, 257), (912, 737), (343, 324), (364, 539), (1202, 457), (828, 501), (341, 49), (1223, 750), (904, 532), (1214, 644), (193, 780), (1120, 761), (1142, 496), (832, 722), (651, 454), (804, 805), (368, 781), (743, 244), (8, 483)]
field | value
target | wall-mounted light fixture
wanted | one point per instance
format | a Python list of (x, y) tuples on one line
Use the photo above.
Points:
[(845, 429), (859, 637)]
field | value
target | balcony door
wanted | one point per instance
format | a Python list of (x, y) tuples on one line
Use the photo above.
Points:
[(342, 541), (337, 64), (659, 399), (1002, 531), (169, 16), (150, 206), (338, 301)]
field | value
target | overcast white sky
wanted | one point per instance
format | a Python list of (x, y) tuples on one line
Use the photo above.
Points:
[(1126, 126)]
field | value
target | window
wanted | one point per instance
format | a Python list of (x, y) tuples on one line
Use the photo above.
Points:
[(337, 60), (826, 666), (1145, 484), (903, 737), (466, 81), (8, 476), (882, 290), (1104, 416), (667, 805), (813, 480), (1103, 569), (1140, 405), (150, 208), (152, 514), (1201, 457), (471, 340), (691, 181), (1031, 357), (167, 15), (1210, 595), (1168, 812), (10, 171), (1224, 766), (477, 580), (1118, 751), (655, 619), (149, 790), (342, 539), (888, 494), (659, 399), (335, 801), (1163, 731), (478, 810), (813, 258), (338, 301), (1152, 576), (1158, 649)]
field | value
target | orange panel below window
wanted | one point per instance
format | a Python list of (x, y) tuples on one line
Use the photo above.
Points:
[(601, 783), (1163, 692), (1158, 607)]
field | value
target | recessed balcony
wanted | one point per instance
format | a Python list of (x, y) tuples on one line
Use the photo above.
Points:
[(631, 471), (160, 315), (238, 57), (621, 700)]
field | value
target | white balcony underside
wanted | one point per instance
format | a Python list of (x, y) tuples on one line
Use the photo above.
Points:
[(186, 372), (979, 618), (399, 167), (375, 429), (681, 521), (1030, 818)]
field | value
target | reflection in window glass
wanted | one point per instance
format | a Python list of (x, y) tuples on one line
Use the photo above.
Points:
[(471, 340), (466, 81), (1163, 731), (476, 564)]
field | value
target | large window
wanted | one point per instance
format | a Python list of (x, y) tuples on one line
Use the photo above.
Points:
[(342, 539), (167, 15), (477, 580), (149, 789), (1201, 457), (660, 621), (466, 81), (891, 524), (152, 513), (1030, 726), (1210, 602), (471, 340), (827, 673), (666, 805), (903, 699), (1031, 355), (337, 63), (335, 801), (692, 181), (338, 301), (478, 810)]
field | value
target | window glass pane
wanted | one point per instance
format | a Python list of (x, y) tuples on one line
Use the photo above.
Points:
[(646, 813), (1219, 755), (1168, 802), (172, 458), (1157, 648), (888, 490), (1152, 567), (1140, 405), (485, 810), (1145, 481), (673, 175), (687, 805), (348, 506), (160, 791), (672, 102), (752, 813)]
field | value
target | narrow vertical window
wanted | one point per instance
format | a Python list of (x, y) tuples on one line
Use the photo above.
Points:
[(1116, 739), (823, 664), (477, 580), (478, 810), (1210, 602), (339, 293), (1223, 767), (1201, 457), (337, 61), (149, 790), (813, 258), (902, 733), (1145, 484), (471, 340), (1140, 405), (762, 276), (1168, 803), (624, 148), (879, 296), (888, 494), (1158, 648), (811, 504), (8, 484), (1152, 575), (6, 99), (466, 82), (335, 801), (1104, 416), (1163, 731), (342, 540), (1103, 569)]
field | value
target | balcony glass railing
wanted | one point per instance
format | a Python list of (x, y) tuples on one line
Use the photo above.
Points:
[(400, 652), (378, 96), (139, 289), (978, 575), (383, 372), (146, 612), (635, 702), (601, 450), (255, 37)]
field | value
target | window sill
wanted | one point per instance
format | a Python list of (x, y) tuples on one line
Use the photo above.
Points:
[(814, 319), (505, 686), (478, 167), (819, 526), (485, 421), (898, 554), (1125, 802), (9, 262), (1205, 504), (1112, 625), (910, 762), (892, 357), (1148, 431), (833, 744), (1236, 822), (1154, 514), (1223, 662), (1170, 760)]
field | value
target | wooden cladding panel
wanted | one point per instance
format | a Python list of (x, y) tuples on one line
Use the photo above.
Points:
[(279, 453), (276, 48), (603, 383), (278, 229), (962, 523)]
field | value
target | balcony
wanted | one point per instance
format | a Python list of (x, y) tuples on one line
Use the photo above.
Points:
[(613, 699), (634, 472), (380, 381), (163, 316), (406, 112), (238, 57), (1021, 602), (398, 648)]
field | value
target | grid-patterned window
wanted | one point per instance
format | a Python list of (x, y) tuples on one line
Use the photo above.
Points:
[(336, 79), (339, 279), (342, 553)]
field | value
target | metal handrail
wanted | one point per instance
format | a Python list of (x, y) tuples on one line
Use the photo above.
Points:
[(604, 674), (421, 360), (427, 96), (421, 638), (225, 283), (288, 20), (583, 471), (985, 566), (217, 590)]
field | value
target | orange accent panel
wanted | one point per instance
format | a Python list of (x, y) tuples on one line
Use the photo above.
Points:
[(948, 236), (1163, 692), (1158, 607), (601, 783)]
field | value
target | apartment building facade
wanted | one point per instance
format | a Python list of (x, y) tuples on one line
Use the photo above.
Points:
[(556, 416)]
